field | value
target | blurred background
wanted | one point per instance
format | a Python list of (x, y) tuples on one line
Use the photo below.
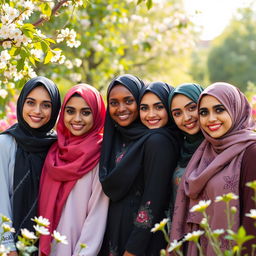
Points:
[(175, 41)]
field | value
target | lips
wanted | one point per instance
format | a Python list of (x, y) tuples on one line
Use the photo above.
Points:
[(36, 119), (153, 121), (77, 127), (191, 125), (214, 127), (123, 117)]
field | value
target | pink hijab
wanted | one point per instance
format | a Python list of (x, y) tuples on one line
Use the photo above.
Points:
[(69, 159), (214, 169)]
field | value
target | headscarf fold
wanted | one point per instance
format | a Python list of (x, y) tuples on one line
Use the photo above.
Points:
[(191, 142), (215, 168), (69, 159), (32, 147)]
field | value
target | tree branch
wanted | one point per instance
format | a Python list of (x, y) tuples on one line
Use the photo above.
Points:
[(54, 10)]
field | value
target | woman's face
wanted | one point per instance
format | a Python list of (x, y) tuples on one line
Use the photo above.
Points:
[(184, 113), (78, 117), (37, 107), (122, 105), (152, 111), (213, 116)]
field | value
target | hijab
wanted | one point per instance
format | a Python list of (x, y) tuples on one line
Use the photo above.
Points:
[(32, 147), (117, 175), (215, 167), (69, 159), (191, 142)]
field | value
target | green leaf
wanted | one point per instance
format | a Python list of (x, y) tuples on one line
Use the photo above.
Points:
[(48, 57), (140, 1), (149, 4), (32, 61), (20, 64), (45, 46), (50, 40), (46, 9), (28, 26)]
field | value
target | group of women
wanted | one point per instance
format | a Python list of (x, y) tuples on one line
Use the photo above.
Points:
[(108, 175)]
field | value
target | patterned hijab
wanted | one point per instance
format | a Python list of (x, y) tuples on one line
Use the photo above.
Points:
[(191, 142), (32, 147), (69, 159), (215, 168)]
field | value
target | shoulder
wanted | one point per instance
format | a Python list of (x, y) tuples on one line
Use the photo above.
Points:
[(248, 162), (7, 142), (250, 152), (159, 141)]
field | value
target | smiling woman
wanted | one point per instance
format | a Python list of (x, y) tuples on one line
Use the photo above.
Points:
[(222, 164), (23, 150)]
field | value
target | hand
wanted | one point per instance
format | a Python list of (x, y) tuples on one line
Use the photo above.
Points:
[(128, 254), (13, 253)]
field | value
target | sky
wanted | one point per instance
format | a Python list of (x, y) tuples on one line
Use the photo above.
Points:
[(214, 15)]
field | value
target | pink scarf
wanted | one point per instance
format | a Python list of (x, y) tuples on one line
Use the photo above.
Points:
[(214, 169), (69, 159)]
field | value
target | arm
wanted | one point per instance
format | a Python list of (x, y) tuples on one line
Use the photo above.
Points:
[(95, 223), (160, 160), (245, 194), (7, 161)]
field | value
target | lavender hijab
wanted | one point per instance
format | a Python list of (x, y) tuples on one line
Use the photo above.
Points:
[(214, 169)]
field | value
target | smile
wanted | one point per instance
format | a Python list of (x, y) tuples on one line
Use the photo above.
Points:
[(123, 117), (214, 127), (36, 119), (191, 125), (153, 121), (77, 127)]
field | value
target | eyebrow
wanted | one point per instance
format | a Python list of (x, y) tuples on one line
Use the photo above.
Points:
[(215, 106), (175, 109), (86, 108), (127, 97), (157, 103), (30, 98)]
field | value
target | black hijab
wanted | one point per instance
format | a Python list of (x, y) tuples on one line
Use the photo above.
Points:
[(117, 177), (32, 147)]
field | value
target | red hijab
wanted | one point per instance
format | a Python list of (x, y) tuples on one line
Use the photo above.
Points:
[(69, 159)]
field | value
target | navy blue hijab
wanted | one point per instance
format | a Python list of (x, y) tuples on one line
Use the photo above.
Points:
[(32, 147)]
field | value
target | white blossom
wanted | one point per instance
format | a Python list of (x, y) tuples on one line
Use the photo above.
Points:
[(59, 238)]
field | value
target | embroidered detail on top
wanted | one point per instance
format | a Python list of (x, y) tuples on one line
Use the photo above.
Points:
[(144, 217), (113, 251), (231, 182)]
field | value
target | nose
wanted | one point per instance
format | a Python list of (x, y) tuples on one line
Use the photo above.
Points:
[(77, 117), (121, 107), (212, 117), (37, 109), (187, 116), (151, 113)]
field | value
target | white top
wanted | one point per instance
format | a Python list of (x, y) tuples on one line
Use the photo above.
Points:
[(8, 147), (83, 219)]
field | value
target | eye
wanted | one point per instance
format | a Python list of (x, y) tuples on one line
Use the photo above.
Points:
[(159, 107), (46, 105), (129, 101), (143, 108), (86, 112), (176, 113), (30, 102), (113, 103), (203, 112), (192, 108), (70, 111), (219, 110)]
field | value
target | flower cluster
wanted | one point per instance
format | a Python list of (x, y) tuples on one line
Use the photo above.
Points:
[(10, 118), (235, 240), (69, 35), (27, 240)]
